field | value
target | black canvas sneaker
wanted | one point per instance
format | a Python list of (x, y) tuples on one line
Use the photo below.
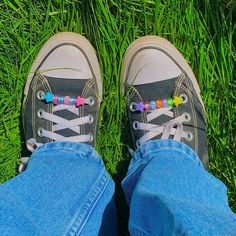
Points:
[(164, 100), (63, 93)]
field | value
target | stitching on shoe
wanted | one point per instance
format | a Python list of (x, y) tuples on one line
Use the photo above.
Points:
[(189, 92), (33, 106), (83, 94), (39, 81), (143, 114), (47, 87), (87, 88), (96, 113)]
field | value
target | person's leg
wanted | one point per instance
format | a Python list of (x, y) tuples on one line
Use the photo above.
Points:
[(167, 187), (65, 190), (170, 193)]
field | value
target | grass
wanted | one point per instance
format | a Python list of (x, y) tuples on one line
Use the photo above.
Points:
[(204, 31)]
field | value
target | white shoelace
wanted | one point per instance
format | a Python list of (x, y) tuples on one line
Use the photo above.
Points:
[(59, 123), (173, 127)]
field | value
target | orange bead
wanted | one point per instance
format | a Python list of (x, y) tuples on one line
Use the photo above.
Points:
[(159, 104)]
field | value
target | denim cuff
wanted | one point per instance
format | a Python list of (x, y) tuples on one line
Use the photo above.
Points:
[(151, 149), (78, 149)]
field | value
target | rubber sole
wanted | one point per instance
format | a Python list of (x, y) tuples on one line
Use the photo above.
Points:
[(164, 45), (67, 37)]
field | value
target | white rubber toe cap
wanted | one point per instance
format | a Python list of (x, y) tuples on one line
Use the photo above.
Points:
[(66, 61), (151, 65)]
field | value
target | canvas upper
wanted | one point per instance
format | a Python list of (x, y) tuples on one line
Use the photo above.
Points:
[(155, 70), (66, 68)]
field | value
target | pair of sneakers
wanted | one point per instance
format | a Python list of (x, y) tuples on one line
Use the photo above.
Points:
[(64, 91)]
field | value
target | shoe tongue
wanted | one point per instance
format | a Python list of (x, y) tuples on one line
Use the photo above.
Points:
[(73, 89), (158, 90)]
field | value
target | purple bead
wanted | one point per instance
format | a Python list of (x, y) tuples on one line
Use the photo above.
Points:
[(140, 106), (165, 103)]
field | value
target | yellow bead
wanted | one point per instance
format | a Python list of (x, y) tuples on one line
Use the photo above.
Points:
[(177, 100)]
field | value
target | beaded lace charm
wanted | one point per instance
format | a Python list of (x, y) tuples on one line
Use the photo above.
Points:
[(153, 105), (67, 100)]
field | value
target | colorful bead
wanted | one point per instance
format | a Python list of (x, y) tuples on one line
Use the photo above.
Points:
[(49, 97), (79, 101), (140, 106), (56, 99), (61, 99), (178, 101), (67, 100), (72, 101), (164, 103), (152, 105), (170, 102), (159, 104), (147, 106)]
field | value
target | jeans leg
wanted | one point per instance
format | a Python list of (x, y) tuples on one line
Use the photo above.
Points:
[(65, 190), (170, 193)]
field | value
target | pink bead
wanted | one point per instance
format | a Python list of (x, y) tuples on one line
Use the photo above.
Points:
[(79, 101), (56, 99), (147, 106), (67, 100)]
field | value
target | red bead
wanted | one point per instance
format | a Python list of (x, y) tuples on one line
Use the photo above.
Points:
[(56, 99)]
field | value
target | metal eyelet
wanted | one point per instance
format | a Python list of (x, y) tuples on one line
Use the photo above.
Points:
[(135, 125), (40, 132), (187, 117), (40, 113), (190, 136), (184, 98), (91, 137), (91, 101), (132, 106), (91, 119), (40, 95)]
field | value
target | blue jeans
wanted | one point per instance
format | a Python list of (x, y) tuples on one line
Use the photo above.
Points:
[(67, 191)]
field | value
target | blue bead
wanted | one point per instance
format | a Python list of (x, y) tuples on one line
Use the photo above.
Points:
[(49, 97), (72, 101), (61, 99), (152, 105)]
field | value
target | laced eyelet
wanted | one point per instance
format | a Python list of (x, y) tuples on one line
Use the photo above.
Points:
[(187, 117), (135, 125), (40, 95), (91, 101), (91, 137), (132, 106), (184, 98), (40, 132), (190, 136), (40, 113), (91, 119)]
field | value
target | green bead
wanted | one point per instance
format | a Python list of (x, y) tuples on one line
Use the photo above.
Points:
[(170, 102)]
